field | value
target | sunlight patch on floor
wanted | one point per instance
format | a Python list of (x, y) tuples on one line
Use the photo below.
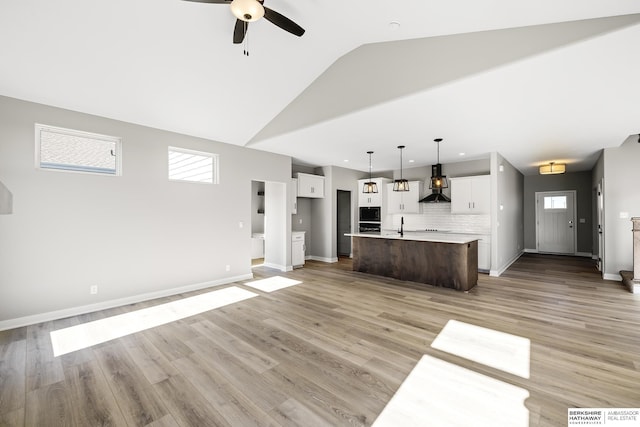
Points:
[(273, 283), (509, 353), (438, 393), (88, 334)]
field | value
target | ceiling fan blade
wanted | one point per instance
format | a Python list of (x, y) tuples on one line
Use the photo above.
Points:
[(283, 22), (239, 31), (211, 1)]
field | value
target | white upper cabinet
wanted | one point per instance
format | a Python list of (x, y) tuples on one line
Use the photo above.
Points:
[(404, 201), (372, 199), (471, 195), (310, 185)]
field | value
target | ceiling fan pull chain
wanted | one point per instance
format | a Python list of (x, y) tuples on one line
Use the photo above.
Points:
[(246, 40)]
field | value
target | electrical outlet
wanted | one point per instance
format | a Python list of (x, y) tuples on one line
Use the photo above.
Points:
[(93, 289), (228, 267), (240, 224)]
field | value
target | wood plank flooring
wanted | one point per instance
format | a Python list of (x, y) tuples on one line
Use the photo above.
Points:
[(331, 351)]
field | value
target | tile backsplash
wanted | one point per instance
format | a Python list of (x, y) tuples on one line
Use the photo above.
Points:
[(438, 216)]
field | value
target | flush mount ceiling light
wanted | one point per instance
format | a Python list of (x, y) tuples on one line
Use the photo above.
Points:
[(552, 168), (370, 187), (438, 180), (401, 184)]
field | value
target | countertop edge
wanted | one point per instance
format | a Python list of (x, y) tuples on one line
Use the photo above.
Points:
[(415, 237)]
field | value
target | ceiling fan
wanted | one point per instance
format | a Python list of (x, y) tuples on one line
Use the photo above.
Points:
[(251, 10)]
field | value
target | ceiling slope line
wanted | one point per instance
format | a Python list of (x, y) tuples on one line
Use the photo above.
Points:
[(407, 67)]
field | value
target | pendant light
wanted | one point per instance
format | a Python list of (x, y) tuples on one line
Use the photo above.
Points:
[(370, 187), (438, 181), (401, 184)]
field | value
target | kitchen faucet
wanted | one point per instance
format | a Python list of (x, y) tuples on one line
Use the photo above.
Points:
[(401, 231)]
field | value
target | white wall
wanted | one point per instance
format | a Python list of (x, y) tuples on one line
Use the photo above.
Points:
[(507, 214), (133, 235), (621, 196), (6, 200)]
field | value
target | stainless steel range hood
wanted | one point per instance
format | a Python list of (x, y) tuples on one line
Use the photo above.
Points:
[(436, 196)]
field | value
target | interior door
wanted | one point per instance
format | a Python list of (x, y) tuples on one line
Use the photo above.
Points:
[(556, 222), (344, 222)]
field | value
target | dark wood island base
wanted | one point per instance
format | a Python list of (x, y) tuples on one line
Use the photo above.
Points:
[(450, 265)]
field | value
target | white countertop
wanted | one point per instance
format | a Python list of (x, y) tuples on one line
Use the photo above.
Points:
[(423, 236)]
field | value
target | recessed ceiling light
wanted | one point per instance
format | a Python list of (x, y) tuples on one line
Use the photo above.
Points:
[(346, 160), (411, 161), (461, 154), (394, 25)]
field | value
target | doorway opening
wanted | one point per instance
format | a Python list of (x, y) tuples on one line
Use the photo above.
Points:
[(556, 222), (343, 207)]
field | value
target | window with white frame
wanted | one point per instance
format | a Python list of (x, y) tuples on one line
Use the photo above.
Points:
[(555, 202), (77, 151), (193, 166)]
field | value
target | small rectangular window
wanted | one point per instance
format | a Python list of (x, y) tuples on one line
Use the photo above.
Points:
[(193, 166), (77, 151), (555, 202)]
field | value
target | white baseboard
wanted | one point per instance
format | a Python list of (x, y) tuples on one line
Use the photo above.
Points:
[(583, 254), (615, 276), (278, 266), (75, 311), (498, 272), (322, 259)]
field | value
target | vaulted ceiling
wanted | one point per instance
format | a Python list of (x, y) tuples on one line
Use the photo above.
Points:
[(536, 81)]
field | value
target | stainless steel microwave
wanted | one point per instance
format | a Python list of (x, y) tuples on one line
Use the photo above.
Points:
[(370, 214)]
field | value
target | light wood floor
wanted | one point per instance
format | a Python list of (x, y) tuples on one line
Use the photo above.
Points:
[(331, 351)]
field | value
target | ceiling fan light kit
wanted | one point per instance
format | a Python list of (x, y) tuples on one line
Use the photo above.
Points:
[(247, 10)]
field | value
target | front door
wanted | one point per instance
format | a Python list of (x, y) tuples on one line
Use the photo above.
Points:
[(556, 222)]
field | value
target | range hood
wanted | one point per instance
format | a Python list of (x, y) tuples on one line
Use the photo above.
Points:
[(437, 183), (435, 197)]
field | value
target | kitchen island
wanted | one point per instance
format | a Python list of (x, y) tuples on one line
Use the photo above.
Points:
[(435, 259)]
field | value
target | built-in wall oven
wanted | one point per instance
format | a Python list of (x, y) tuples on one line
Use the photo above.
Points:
[(369, 219), (369, 227)]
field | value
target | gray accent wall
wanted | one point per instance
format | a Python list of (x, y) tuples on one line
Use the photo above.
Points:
[(132, 235), (578, 181)]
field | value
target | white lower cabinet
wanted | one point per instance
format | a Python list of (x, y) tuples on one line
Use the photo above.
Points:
[(484, 253), (297, 248)]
